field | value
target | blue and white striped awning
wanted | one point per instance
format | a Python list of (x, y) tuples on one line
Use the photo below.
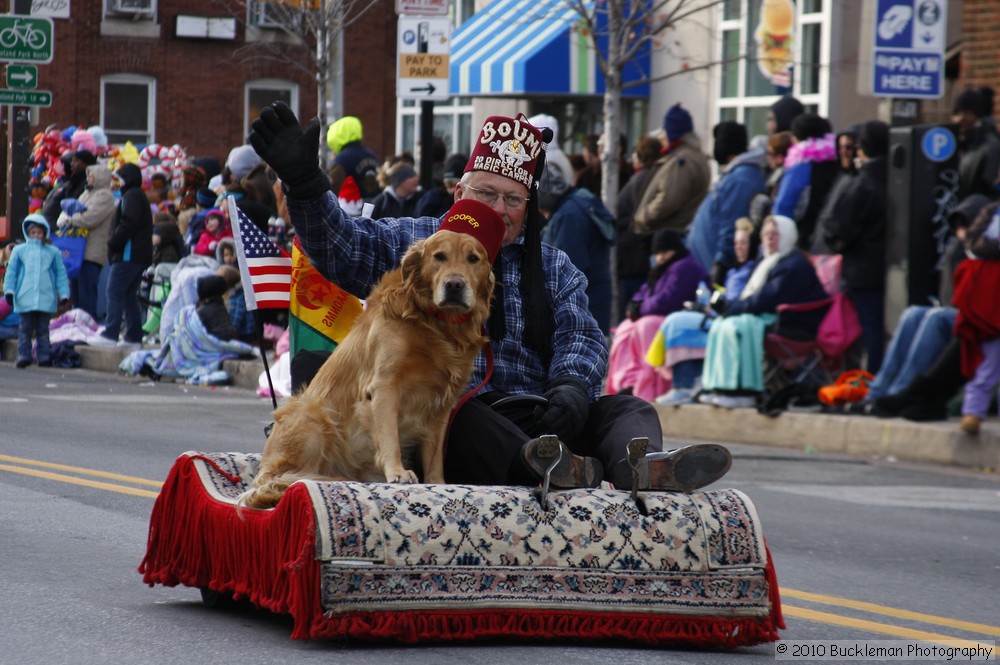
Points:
[(530, 47)]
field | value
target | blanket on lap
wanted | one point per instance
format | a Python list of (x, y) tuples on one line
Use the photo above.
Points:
[(190, 352), (454, 562)]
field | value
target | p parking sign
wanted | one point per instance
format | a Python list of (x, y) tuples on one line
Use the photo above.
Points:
[(938, 144)]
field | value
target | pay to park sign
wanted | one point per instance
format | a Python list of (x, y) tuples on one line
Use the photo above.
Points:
[(908, 57), (423, 72)]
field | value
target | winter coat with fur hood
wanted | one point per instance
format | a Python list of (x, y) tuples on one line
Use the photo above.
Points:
[(100, 203)]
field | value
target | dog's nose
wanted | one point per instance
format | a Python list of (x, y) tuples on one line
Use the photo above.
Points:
[(454, 288)]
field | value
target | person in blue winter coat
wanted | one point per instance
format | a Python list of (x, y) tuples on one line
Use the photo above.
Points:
[(580, 225), (710, 238), (35, 284)]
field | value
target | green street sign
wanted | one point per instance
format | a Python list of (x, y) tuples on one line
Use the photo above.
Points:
[(26, 39), (26, 97), (22, 77)]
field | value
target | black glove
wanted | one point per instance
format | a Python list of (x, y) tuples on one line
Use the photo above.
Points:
[(9, 297), (293, 154), (632, 310), (718, 274), (718, 302), (566, 413)]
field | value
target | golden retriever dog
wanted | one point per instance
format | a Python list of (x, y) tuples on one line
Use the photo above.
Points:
[(386, 393)]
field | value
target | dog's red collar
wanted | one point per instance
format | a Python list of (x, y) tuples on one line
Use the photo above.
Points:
[(441, 316)]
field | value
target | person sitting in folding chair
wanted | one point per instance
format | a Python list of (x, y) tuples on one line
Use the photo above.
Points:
[(733, 375)]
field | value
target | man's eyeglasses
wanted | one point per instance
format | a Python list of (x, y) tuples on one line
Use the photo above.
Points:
[(489, 197)]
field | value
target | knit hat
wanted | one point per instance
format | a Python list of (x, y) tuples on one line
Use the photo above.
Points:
[(810, 126), (677, 122), (211, 286), (968, 100), (478, 220), (874, 138), (241, 161), (454, 166), (730, 139), (509, 147), (784, 111), (665, 240), (346, 130), (86, 157), (206, 197), (401, 174)]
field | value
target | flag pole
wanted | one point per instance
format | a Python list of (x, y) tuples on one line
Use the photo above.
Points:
[(258, 325)]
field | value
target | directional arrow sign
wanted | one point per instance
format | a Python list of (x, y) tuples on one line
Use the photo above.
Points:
[(23, 77), (26, 97)]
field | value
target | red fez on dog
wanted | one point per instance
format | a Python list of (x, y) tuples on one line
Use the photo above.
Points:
[(478, 220), (508, 147)]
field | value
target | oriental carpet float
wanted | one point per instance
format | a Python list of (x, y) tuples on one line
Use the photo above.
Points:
[(421, 563)]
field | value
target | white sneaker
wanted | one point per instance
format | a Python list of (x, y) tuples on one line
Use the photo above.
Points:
[(736, 401), (102, 342), (709, 398), (131, 346), (676, 397)]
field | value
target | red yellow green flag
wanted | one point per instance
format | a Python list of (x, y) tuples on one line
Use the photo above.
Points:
[(320, 312)]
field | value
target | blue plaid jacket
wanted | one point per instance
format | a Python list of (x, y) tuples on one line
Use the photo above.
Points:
[(354, 252)]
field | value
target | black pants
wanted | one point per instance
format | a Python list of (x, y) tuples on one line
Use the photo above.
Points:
[(483, 445)]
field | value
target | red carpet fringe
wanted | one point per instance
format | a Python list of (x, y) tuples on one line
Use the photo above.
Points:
[(656, 630), (269, 557)]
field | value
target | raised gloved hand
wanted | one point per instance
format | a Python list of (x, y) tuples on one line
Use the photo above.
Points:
[(293, 153), (566, 413)]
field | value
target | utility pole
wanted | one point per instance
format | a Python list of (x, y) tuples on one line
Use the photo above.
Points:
[(18, 154)]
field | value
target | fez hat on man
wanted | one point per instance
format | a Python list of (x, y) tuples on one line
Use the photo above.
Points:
[(515, 149)]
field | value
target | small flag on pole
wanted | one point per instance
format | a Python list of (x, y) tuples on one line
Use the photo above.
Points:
[(266, 267)]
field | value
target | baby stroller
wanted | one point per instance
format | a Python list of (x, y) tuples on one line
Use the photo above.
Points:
[(153, 292)]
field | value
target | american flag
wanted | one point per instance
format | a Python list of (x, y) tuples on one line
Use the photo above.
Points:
[(264, 265)]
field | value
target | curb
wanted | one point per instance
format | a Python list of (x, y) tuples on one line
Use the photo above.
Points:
[(242, 373), (855, 435)]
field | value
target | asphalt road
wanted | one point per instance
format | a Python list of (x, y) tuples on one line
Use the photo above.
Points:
[(863, 551)]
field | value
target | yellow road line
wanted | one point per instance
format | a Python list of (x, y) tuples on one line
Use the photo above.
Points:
[(892, 612), (789, 610), (876, 627), (79, 481), (81, 470)]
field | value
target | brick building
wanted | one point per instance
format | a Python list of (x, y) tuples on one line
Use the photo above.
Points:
[(192, 72)]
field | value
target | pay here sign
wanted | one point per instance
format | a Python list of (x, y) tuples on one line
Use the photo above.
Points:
[(908, 57)]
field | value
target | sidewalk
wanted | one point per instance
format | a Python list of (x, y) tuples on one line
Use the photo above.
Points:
[(858, 436)]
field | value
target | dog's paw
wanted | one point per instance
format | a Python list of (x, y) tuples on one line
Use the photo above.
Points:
[(404, 477)]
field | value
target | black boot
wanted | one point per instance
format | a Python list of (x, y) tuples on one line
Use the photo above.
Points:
[(681, 470)]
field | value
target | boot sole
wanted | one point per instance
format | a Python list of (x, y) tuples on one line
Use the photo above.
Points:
[(572, 471), (685, 470)]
